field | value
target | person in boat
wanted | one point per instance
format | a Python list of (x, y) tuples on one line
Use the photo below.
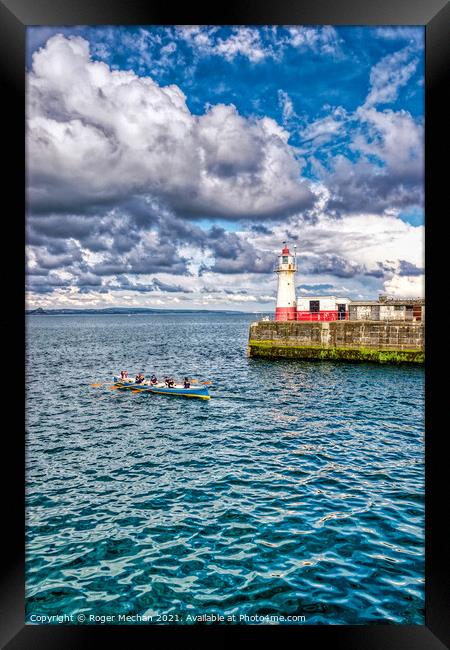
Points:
[(153, 379), (187, 383), (139, 378), (169, 382), (124, 374)]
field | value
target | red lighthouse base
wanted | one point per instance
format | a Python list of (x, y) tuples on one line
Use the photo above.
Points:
[(285, 313)]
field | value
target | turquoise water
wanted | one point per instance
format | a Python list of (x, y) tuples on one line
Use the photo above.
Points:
[(297, 490)]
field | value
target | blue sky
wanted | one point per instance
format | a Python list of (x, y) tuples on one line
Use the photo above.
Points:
[(166, 164)]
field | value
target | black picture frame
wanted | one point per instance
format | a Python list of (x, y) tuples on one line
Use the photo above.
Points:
[(15, 16)]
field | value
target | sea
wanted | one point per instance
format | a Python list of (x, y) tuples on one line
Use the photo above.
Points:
[(295, 495)]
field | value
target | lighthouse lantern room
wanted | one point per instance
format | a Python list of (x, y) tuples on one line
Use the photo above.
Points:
[(286, 308)]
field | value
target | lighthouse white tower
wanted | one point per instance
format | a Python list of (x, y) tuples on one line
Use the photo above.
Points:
[(286, 301)]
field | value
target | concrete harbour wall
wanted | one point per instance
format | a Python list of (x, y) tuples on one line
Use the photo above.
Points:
[(384, 342)]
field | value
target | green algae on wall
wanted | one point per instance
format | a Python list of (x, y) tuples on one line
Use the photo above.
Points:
[(271, 349)]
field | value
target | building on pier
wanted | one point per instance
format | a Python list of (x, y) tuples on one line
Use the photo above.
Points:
[(332, 308), (388, 309)]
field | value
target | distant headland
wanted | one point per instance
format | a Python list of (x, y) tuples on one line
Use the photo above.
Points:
[(132, 310)]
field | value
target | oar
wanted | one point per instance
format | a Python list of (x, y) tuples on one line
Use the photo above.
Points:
[(102, 383), (196, 381)]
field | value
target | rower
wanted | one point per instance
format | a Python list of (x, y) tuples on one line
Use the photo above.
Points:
[(139, 378), (187, 382), (124, 374), (153, 379)]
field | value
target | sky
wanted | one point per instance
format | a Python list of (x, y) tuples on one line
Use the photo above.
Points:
[(166, 165)]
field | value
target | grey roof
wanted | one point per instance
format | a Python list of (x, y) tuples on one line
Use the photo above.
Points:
[(388, 302)]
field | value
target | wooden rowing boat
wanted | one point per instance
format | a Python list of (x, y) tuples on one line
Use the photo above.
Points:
[(162, 389)]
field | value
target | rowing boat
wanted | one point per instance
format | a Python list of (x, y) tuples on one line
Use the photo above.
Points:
[(162, 389)]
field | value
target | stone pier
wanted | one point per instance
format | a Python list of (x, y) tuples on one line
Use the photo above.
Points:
[(380, 341)]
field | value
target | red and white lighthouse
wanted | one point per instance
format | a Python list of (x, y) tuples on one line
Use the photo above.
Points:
[(286, 301)]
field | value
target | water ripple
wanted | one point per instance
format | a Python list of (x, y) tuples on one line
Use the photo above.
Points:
[(298, 489)]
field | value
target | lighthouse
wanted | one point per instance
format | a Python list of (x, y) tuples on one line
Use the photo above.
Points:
[(286, 301)]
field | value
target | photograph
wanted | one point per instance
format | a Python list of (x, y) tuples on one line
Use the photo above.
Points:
[(231, 216)]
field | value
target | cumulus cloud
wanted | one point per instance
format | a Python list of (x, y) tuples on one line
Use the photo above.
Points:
[(360, 244), (286, 105), (96, 135), (413, 35), (153, 285), (406, 286), (396, 139), (246, 42), (324, 40), (387, 172), (380, 164), (325, 128), (389, 75)]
